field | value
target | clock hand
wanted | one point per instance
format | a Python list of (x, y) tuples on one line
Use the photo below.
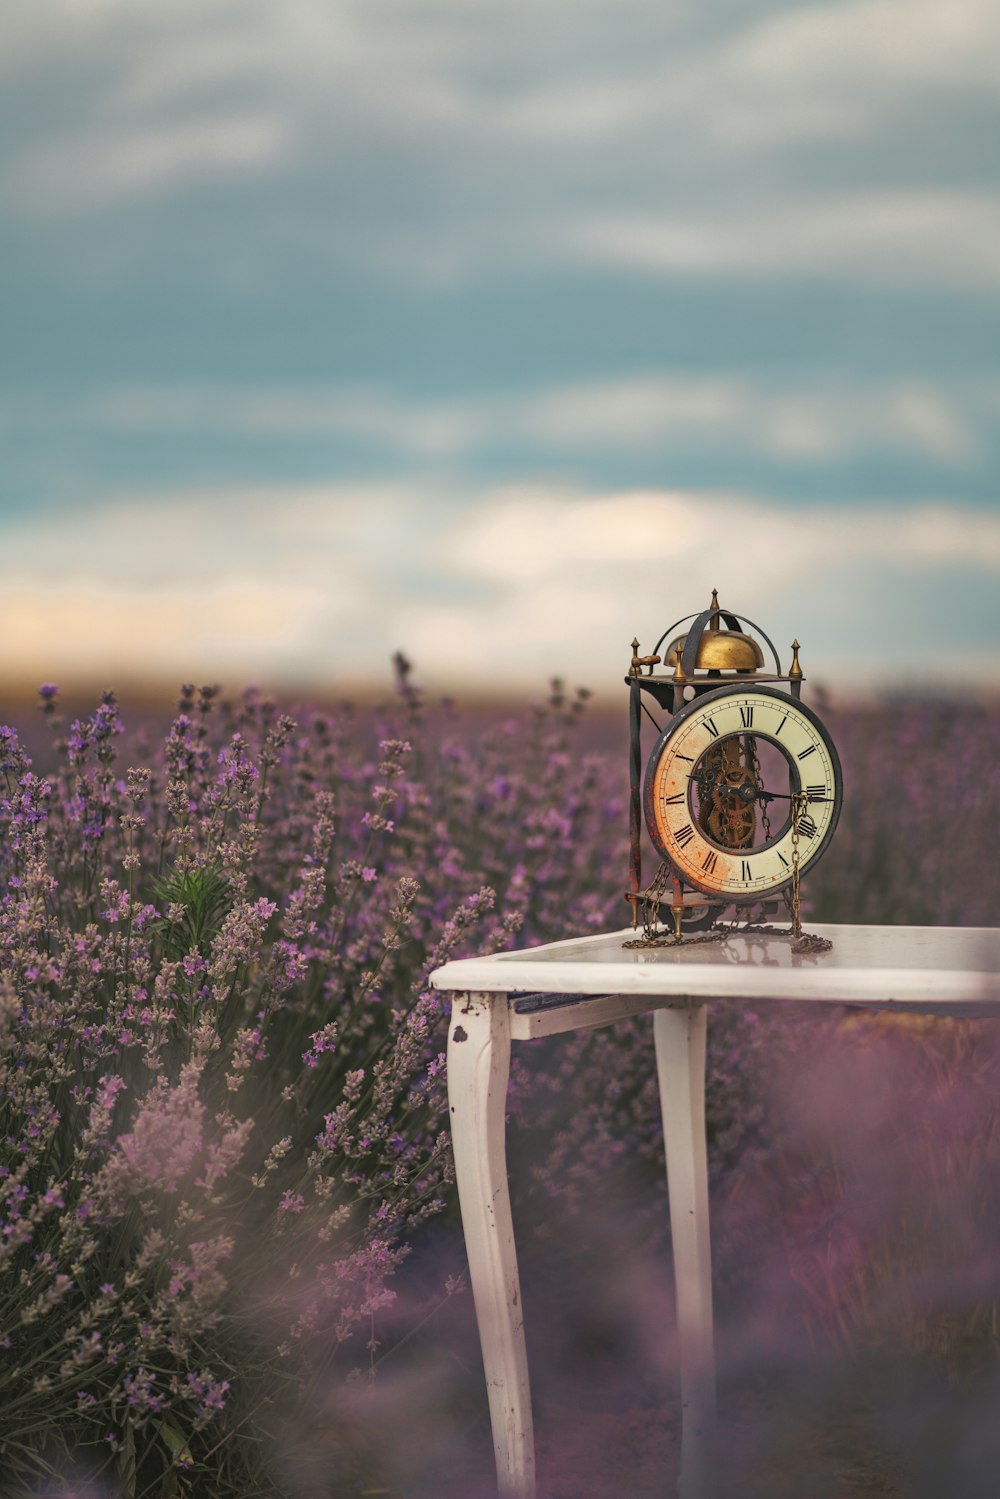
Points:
[(770, 796), (749, 792)]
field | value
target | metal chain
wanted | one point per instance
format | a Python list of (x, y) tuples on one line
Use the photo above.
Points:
[(651, 904), (798, 801), (802, 942), (664, 939), (765, 820)]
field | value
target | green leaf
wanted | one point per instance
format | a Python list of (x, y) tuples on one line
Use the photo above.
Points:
[(205, 895), (176, 1445), (126, 1463)]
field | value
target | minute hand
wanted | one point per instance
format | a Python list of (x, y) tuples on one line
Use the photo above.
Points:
[(748, 792), (770, 796)]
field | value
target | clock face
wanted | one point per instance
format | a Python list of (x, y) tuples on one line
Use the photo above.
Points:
[(719, 788)]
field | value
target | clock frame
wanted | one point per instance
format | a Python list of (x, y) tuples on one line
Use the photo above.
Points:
[(727, 832)]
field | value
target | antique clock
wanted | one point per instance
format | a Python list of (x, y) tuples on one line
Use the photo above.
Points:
[(742, 790)]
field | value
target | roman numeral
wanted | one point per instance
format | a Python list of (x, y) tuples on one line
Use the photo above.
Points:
[(804, 754), (746, 717), (783, 859), (670, 801), (710, 726), (744, 870), (684, 835), (816, 793), (806, 826), (709, 862), (781, 725)]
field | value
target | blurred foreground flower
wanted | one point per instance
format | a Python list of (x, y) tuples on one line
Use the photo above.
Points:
[(221, 1075)]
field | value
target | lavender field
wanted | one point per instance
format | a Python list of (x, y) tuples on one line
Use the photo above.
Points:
[(231, 1263)]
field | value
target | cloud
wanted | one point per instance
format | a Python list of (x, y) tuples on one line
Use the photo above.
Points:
[(875, 42), (321, 585), (753, 545), (419, 427), (788, 75), (830, 420), (269, 189), (95, 169), (814, 422), (444, 142), (895, 237), (876, 594), (79, 629)]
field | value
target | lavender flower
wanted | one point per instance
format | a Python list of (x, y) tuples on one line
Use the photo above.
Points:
[(224, 1111)]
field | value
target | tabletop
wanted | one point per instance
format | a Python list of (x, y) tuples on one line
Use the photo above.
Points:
[(951, 969)]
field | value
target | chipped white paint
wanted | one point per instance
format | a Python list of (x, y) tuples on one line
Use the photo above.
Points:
[(478, 1069), (943, 970)]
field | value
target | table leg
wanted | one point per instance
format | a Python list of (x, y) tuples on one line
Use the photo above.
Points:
[(478, 1071), (680, 1064)]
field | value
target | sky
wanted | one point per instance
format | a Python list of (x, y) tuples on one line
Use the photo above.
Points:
[(498, 333)]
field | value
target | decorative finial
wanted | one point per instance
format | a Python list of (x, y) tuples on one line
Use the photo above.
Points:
[(679, 662), (795, 670), (638, 662), (713, 623)]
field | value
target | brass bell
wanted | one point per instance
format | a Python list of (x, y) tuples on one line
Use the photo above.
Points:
[(720, 650)]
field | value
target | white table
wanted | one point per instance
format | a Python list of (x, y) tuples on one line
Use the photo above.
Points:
[(592, 981)]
